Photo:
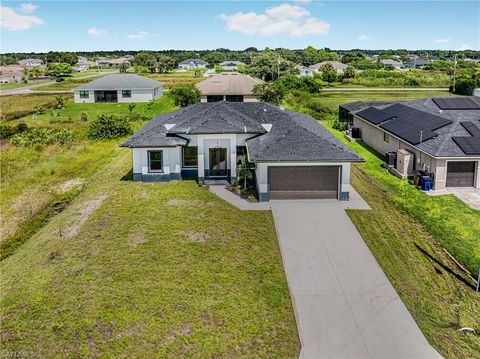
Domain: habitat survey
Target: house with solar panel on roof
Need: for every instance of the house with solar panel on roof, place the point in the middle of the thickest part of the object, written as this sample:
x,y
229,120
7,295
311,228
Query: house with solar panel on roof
x,y
436,139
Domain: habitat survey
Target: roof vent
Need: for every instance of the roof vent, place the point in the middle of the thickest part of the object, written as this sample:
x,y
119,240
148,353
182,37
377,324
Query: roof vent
x,y
264,110
281,108
169,126
267,126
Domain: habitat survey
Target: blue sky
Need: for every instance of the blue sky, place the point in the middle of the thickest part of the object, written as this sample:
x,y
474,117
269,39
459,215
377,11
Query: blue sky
x,y
158,25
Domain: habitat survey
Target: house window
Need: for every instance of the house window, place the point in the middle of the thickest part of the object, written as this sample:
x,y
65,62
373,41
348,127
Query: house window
x,y
126,93
214,98
241,152
386,137
190,156
155,159
84,94
234,98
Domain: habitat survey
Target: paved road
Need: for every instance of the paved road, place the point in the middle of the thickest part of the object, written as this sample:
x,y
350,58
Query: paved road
x,y
27,89
340,89
344,304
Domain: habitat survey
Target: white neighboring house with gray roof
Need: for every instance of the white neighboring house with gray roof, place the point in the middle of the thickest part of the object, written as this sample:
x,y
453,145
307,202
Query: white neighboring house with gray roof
x,y
436,137
230,65
119,88
192,64
337,66
294,156
397,65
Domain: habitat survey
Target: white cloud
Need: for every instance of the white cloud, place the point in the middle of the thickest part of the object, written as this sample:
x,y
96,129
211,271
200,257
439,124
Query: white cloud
x,y
93,31
464,47
139,35
364,38
282,19
28,8
13,21
444,40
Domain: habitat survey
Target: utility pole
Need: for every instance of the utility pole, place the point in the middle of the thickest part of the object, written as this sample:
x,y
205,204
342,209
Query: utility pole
x,y
454,72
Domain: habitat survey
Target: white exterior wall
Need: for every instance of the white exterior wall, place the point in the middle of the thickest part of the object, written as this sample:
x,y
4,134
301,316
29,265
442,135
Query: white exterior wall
x,y
90,99
262,173
172,160
137,95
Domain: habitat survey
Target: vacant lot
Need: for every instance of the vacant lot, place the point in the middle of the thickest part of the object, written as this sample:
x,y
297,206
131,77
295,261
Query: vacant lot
x,y
68,84
159,270
176,78
34,179
17,106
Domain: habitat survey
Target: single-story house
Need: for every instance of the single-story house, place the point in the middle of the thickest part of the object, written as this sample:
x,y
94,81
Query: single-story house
x,y
294,157
440,137
304,71
31,62
119,88
417,64
10,74
228,86
337,66
111,62
192,64
82,60
230,65
389,62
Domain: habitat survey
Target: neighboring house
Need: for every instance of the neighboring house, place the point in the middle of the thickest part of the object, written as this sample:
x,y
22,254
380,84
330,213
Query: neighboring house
x,y
10,74
82,60
119,88
230,65
337,66
305,71
417,64
472,61
412,57
441,137
111,62
389,62
80,68
294,156
228,86
30,62
192,64
346,111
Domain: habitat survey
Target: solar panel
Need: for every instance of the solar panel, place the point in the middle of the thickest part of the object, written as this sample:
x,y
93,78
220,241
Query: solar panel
x,y
471,128
456,103
469,145
374,115
408,131
421,118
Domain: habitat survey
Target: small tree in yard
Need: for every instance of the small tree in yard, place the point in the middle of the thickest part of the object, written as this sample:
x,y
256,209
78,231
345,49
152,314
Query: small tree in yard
x,y
123,67
349,73
328,73
465,86
185,95
59,102
244,172
106,127
269,92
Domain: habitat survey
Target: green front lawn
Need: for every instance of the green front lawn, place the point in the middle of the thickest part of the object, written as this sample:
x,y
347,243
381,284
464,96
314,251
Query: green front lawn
x,y
159,270
439,296
15,85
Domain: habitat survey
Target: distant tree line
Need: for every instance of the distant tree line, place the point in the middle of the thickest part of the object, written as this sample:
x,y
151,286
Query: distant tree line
x,y
307,56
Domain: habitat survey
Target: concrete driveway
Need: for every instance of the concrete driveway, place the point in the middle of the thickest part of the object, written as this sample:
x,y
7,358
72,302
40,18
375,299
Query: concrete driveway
x,y
344,304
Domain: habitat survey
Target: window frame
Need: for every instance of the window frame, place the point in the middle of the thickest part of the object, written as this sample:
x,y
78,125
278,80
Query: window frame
x,y
386,137
235,98
129,93
84,93
150,161
183,157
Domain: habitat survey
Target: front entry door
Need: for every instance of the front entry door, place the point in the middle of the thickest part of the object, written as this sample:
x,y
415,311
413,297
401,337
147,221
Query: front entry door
x,y
218,161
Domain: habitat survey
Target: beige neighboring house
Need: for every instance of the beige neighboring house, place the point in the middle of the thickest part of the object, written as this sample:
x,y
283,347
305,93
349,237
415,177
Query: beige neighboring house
x,y
337,66
228,86
11,74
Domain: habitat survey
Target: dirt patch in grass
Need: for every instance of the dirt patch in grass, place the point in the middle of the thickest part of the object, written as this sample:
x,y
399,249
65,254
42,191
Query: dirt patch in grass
x,y
192,236
85,210
138,239
70,184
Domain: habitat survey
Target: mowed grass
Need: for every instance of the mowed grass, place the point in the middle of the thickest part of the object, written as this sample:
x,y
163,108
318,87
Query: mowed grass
x,y
34,178
333,99
15,85
177,78
439,296
68,84
159,270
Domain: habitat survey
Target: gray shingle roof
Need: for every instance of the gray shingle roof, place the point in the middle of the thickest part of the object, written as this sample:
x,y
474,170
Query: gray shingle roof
x,y
443,145
293,136
195,61
120,82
